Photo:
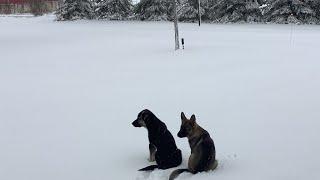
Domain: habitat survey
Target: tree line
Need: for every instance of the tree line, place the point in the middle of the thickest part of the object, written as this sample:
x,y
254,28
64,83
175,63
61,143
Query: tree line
x,y
211,11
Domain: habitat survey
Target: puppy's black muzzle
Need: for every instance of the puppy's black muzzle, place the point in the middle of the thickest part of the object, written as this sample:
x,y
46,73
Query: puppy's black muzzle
x,y
136,123
182,134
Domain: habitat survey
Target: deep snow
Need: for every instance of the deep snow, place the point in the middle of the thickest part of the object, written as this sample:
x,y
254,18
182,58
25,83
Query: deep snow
x,y
69,91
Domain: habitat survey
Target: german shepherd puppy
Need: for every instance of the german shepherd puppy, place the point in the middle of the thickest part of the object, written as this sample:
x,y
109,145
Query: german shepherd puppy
x,y
203,152
162,146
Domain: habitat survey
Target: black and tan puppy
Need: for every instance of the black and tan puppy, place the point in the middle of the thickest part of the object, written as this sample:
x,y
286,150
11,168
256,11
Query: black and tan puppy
x,y
162,146
203,152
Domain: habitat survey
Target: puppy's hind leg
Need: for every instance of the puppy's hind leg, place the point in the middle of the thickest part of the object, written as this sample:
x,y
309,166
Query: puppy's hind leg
x,y
153,151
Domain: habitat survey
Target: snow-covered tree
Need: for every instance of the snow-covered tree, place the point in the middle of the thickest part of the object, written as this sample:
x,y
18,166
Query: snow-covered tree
x,y
236,11
114,9
158,10
75,9
289,11
315,5
188,10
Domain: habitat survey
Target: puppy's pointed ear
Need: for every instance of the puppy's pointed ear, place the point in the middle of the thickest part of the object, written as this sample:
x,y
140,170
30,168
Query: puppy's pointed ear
x,y
193,119
183,117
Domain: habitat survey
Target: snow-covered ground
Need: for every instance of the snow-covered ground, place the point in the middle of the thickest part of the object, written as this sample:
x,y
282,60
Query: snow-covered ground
x,y
70,90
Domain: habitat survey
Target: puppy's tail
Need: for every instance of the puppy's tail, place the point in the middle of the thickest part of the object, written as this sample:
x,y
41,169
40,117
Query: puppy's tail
x,y
176,173
149,168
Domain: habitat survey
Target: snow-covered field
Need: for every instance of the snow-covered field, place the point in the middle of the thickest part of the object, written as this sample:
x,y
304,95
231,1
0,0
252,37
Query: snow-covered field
x,y
70,90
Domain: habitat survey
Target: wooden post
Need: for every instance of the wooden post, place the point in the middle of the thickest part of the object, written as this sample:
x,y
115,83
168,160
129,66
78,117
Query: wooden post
x,y
176,28
199,13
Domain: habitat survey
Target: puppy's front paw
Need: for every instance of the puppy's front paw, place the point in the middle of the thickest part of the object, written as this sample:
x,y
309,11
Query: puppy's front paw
x,y
152,159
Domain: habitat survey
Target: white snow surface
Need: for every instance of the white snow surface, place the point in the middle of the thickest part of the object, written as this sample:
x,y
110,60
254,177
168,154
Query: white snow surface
x,y
70,90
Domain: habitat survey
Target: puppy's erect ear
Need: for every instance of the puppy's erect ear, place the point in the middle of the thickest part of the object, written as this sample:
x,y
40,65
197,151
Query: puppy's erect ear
x,y
193,119
183,117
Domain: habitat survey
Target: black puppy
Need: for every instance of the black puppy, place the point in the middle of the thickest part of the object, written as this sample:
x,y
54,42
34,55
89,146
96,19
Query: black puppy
x,y
162,146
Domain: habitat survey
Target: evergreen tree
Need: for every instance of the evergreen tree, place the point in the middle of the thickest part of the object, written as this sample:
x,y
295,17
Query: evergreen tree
x,y
289,11
114,9
75,9
315,5
261,2
188,10
236,11
158,10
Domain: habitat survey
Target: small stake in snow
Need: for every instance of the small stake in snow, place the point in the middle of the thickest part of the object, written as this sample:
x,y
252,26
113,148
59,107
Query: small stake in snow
x,y
182,42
